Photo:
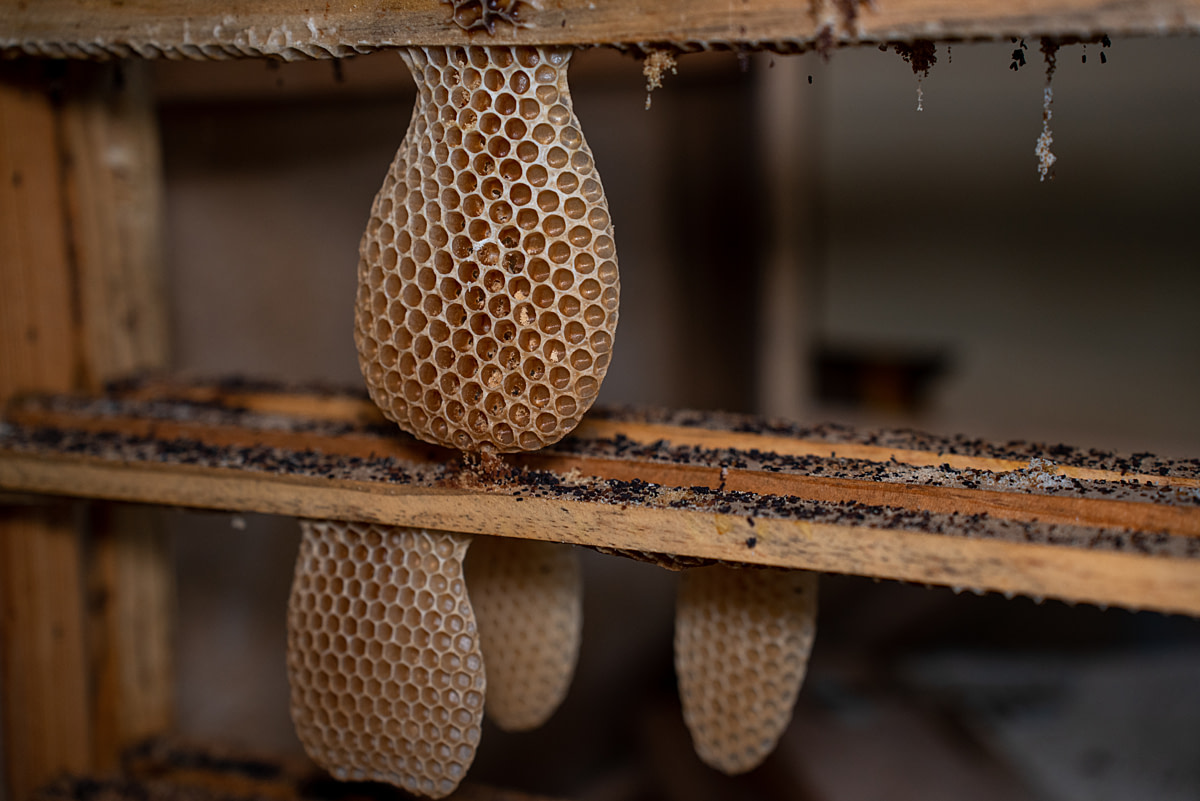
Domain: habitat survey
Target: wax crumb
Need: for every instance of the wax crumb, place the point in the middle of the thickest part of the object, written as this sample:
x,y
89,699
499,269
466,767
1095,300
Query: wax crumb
x,y
656,63
1045,157
1042,150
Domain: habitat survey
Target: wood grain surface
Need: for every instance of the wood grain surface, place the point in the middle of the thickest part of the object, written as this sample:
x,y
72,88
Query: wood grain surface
x,y
1122,541
84,594
290,29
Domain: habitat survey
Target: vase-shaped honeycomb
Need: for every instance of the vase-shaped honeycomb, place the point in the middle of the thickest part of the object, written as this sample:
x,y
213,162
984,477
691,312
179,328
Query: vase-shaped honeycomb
x,y
386,671
528,599
742,639
487,280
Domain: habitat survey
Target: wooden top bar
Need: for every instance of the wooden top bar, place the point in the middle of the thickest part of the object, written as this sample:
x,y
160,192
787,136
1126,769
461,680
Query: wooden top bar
x,y
675,487
301,29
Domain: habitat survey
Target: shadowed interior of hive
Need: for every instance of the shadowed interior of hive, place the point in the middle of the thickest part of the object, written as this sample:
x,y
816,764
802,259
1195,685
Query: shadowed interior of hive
x,y
1059,311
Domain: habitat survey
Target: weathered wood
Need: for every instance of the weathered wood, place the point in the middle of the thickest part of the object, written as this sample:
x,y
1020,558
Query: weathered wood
x,y
1075,574
37,335
78,305
1108,542
113,181
131,611
44,664
292,29
113,177
1053,509
42,647
788,135
357,410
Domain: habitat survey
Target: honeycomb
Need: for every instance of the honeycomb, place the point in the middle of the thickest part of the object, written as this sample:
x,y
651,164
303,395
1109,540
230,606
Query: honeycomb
x,y
383,656
528,598
742,639
487,278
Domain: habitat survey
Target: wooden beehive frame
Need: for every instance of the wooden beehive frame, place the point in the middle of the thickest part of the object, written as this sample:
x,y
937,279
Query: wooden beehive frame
x,y
294,29
79,239
1105,531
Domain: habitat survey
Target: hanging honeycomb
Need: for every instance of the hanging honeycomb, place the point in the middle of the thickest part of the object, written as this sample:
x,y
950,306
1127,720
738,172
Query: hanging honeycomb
x,y
487,279
528,598
742,639
386,671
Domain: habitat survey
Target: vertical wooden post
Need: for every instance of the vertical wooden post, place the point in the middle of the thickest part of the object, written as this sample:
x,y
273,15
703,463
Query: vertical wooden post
x,y
45,705
37,336
114,211
84,609
113,180
42,651
131,593
788,141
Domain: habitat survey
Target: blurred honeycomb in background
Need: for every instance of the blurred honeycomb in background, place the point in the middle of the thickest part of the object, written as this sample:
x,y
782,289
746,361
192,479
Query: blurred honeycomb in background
x,y
1062,311
528,599
742,639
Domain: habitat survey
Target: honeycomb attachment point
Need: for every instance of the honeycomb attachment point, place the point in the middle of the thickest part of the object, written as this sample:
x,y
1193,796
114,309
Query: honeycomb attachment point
x,y
742,639
487,276
387,676
529,601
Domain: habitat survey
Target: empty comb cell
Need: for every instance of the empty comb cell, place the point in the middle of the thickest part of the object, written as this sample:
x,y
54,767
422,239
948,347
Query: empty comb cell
x,y
528,598
742,639
387,677
487,278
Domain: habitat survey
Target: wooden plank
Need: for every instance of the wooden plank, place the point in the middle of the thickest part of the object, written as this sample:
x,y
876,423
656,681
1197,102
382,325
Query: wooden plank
x,y
131,592
1108,542
38,346
1100,512
113,203
79,304
736,432
789,137
42,651
292,29
42,624
1039,570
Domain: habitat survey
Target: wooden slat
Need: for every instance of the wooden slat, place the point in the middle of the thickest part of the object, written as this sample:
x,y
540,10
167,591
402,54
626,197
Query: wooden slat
x,y
358,410
42,652
43,664
113,204
1052,509
132,592
852,450
38,347
1028,541
293,29
114,201
1070,573
84,618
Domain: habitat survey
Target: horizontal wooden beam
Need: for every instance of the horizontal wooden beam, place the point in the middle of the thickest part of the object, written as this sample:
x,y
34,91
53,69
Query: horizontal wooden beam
x,y
1131,510
298,29
746,433
629,485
